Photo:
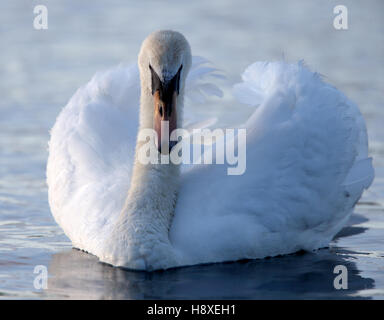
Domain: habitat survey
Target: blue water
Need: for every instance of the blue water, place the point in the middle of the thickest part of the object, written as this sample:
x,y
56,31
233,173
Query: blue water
x,y
40,70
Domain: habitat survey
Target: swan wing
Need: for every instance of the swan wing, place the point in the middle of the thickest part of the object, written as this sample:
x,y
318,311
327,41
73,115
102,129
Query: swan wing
x,y
306,167
91,152
198,88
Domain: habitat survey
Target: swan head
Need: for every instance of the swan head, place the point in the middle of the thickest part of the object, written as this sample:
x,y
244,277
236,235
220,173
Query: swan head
x,y
164,61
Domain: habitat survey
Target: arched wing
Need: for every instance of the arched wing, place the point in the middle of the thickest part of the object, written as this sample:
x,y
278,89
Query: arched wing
x,y
305,150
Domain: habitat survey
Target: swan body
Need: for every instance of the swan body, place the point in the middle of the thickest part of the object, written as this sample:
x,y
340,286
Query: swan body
x,y
307,166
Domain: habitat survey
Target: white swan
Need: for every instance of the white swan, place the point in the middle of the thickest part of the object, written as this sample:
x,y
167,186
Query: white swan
x,y
307,166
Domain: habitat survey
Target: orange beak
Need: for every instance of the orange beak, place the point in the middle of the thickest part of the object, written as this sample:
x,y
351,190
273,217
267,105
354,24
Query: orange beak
x,y
165,109
165,121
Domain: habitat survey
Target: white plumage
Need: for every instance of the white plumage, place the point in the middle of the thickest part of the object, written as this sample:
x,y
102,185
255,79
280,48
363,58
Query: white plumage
x,y
307,166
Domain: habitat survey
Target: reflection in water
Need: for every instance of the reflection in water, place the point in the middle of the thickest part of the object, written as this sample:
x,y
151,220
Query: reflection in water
x,y
78,275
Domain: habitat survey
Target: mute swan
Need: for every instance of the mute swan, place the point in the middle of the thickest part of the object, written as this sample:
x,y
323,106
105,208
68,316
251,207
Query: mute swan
x,y
307,165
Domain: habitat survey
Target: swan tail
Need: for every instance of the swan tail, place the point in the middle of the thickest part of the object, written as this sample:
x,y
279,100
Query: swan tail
x,y
359,178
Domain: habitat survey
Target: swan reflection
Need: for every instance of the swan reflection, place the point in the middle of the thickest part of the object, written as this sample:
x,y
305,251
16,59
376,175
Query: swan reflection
x,y
78,275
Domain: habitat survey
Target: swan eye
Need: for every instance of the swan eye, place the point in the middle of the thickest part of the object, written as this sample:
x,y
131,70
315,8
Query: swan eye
x,y
161,110
156,82
176,80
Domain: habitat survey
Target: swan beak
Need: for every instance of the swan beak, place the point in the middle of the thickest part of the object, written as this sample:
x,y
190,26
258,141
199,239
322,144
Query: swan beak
x,y
165,121
165,95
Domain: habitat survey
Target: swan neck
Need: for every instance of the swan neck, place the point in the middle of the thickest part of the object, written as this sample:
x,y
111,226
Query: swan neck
x,y
153,191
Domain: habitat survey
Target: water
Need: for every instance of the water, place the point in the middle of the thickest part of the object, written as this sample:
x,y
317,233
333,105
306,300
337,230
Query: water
x,y
40,70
